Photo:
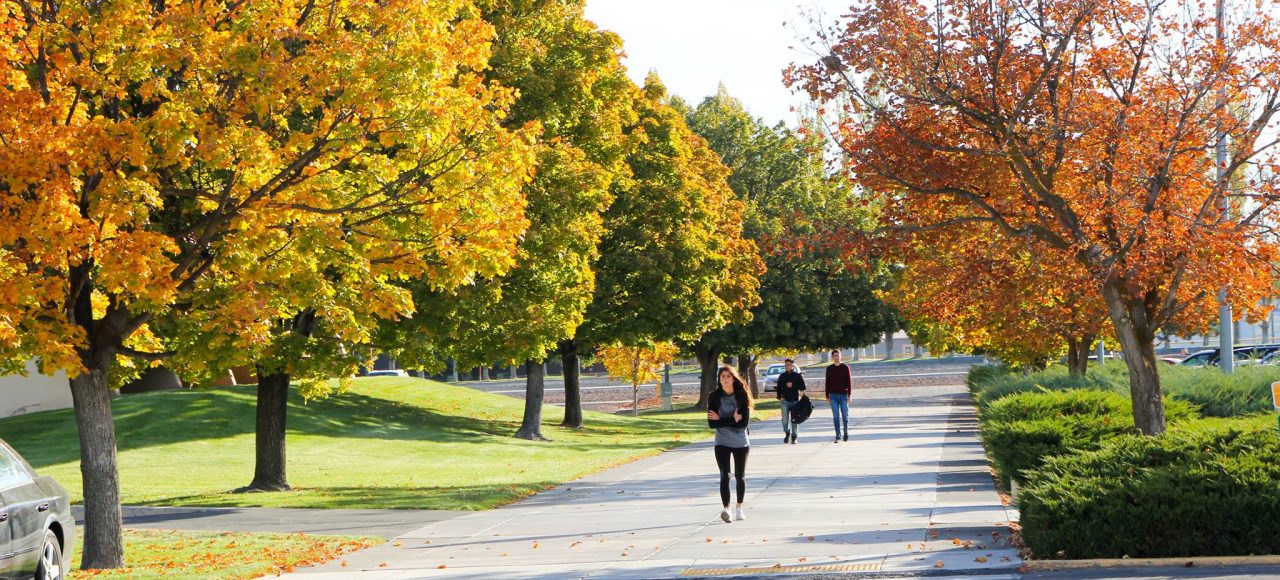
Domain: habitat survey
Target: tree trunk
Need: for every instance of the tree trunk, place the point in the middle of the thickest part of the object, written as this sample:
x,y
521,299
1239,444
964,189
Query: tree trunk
x,y
484,373
534,391
1078,355
1133,330
708,359
888,346
103,528
745,362
103,534
269,450
572,384
451,370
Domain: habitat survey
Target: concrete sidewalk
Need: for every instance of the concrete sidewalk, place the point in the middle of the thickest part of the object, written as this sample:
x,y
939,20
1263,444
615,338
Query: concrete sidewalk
x,y
909,493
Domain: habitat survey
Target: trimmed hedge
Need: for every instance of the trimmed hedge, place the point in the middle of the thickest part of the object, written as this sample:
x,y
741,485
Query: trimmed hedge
x,y
988,386
1207,489
1022,430
1244,392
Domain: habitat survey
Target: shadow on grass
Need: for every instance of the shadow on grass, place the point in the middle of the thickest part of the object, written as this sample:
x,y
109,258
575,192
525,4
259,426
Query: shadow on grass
x,y
465,497
169,417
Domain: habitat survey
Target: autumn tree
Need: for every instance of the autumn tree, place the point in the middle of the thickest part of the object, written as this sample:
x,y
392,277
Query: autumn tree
x,y
1102,114
636,364
158,158
673,261
1023,307
572,85
809,299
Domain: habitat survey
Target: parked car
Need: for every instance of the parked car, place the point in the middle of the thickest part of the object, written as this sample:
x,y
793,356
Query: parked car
x,y
388,373
1242,355
37,532
771,375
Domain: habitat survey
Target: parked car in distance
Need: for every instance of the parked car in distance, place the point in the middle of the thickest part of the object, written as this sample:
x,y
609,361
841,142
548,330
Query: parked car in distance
x,y
1242,355
37,532
771,375
388,373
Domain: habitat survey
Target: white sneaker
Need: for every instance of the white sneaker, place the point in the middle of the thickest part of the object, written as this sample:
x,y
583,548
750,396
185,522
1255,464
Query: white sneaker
x,y
724,515
738,515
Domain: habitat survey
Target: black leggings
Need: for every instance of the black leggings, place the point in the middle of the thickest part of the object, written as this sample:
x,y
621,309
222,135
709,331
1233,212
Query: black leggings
x,y
739,470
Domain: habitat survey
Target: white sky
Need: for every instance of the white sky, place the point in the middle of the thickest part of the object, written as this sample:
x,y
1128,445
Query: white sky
x,y
696,44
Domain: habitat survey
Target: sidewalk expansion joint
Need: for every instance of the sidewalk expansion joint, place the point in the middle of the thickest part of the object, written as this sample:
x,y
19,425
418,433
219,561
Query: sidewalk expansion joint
x,y
780,569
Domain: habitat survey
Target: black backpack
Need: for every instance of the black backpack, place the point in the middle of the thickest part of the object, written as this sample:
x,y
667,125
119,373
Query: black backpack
x,y
801,410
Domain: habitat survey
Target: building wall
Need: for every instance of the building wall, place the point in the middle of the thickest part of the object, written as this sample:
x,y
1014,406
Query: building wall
x,y
20,395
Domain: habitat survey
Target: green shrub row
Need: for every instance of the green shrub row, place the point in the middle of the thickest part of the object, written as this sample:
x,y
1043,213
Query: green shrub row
x,y
1247,391
1209,488
1023,429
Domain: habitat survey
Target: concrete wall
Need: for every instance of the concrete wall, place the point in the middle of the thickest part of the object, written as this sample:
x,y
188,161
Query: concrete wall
x,y
35,392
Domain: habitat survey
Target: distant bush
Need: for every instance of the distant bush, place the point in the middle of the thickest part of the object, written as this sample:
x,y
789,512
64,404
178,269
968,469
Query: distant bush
x,y
1208,488
990,388
1023,429
981,375
1244,392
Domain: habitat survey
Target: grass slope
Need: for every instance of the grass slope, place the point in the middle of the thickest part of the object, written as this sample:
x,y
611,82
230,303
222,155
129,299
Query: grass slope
x,y
387,443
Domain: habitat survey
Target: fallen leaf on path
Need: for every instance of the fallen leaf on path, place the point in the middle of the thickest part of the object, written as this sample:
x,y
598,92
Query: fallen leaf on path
x,y
811,538
441,567
980,560
382,565
397,544
939,564
535,545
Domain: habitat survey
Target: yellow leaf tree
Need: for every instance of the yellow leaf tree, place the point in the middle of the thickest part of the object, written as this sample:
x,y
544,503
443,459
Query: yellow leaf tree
x,y
637,364
171,159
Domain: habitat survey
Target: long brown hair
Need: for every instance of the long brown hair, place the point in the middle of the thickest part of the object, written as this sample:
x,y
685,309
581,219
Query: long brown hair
x,y
740,390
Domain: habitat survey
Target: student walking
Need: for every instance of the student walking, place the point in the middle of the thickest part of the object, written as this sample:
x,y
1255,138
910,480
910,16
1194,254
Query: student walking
x,y
729,412
790,387
839,387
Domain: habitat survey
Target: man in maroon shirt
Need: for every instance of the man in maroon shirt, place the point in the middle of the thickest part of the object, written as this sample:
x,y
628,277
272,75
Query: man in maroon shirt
x,y
839,387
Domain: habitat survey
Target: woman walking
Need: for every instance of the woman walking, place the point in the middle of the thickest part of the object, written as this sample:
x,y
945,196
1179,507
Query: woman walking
x,y
729,412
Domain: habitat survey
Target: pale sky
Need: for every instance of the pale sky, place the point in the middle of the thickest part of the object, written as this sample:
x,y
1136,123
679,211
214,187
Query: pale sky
x,y
696,44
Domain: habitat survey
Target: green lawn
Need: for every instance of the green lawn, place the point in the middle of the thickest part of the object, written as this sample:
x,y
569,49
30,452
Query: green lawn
x,y
387,443
220,555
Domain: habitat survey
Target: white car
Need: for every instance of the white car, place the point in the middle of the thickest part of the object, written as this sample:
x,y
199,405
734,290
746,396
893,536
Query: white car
x,y
771,375
387,373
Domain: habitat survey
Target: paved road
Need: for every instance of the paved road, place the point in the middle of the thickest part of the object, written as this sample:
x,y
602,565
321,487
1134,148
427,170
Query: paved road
x,y
602,393
909,492
377,523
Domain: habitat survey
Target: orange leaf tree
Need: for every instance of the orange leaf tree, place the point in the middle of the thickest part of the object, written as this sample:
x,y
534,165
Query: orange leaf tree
x,y
163,159
1084,128
964,293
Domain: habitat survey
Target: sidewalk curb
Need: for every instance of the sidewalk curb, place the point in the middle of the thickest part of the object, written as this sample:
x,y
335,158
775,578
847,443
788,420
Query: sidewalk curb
x,y
1192,562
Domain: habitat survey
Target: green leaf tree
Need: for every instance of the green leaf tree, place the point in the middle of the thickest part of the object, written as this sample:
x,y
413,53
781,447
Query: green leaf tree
x,y
810,300
572,86
673,262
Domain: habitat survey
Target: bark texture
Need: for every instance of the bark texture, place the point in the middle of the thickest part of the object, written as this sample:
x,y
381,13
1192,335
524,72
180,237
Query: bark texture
x,y
534,393
572,384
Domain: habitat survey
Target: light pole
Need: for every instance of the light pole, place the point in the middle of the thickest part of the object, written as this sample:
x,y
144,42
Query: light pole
x,y
1226,338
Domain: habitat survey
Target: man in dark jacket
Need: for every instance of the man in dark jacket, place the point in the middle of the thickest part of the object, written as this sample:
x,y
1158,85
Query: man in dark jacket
x,y
839,387
790,386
